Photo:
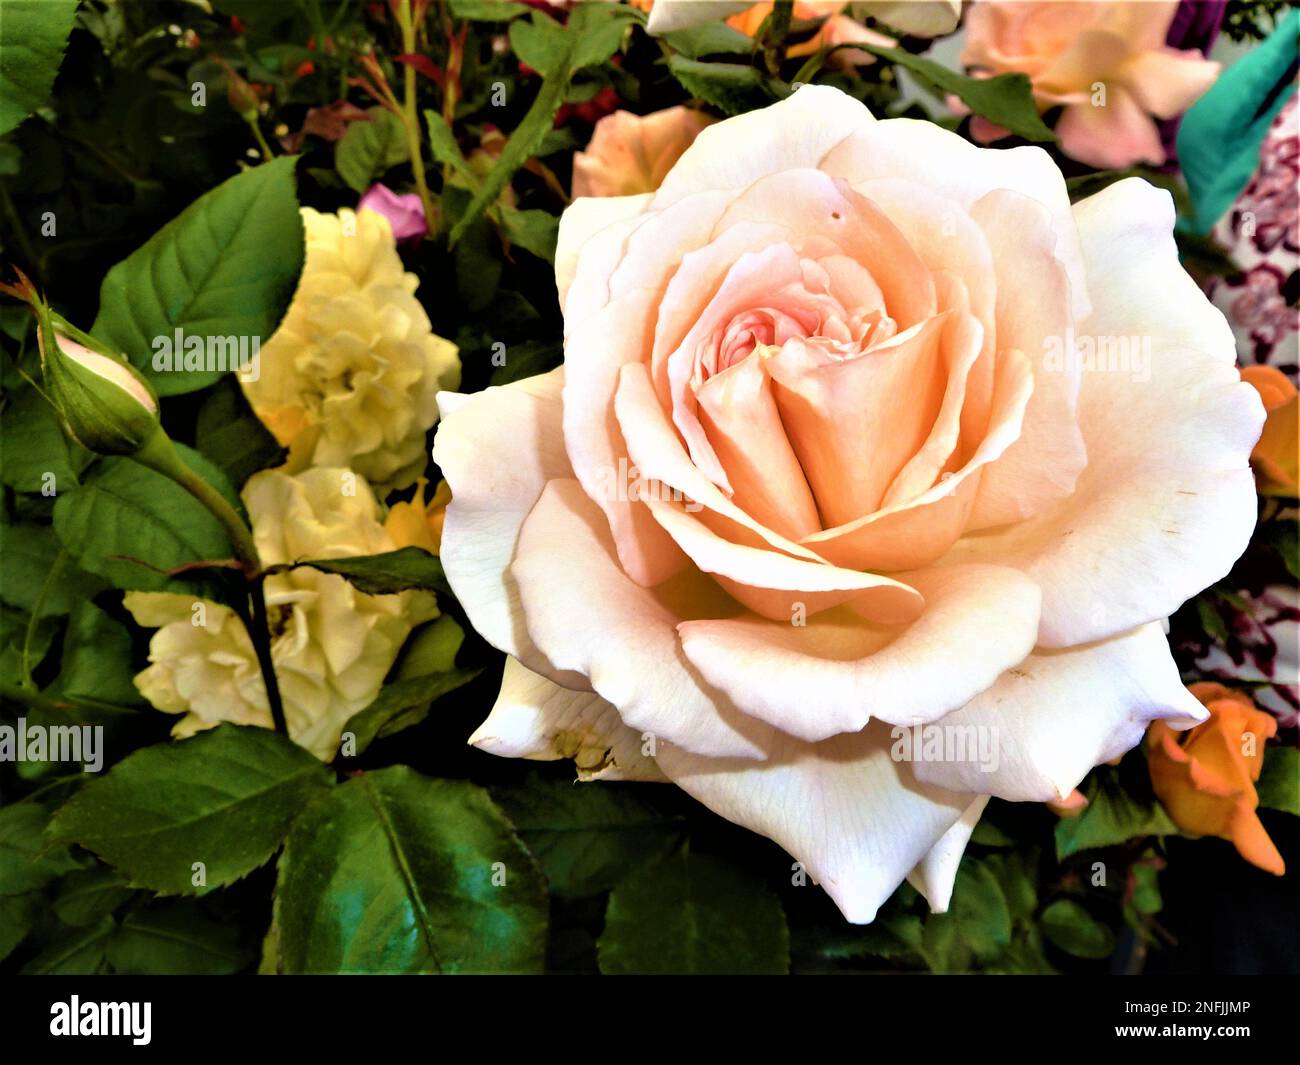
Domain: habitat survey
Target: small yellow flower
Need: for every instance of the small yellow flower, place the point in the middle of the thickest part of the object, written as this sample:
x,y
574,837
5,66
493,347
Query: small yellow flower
x,y
332,645
349,378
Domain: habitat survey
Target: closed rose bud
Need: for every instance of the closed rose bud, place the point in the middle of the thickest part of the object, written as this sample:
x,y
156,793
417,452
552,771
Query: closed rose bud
x,y
242,96
106,404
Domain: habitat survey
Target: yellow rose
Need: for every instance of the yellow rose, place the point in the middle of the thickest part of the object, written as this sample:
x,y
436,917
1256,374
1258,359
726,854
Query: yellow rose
x,y
349,378
332,646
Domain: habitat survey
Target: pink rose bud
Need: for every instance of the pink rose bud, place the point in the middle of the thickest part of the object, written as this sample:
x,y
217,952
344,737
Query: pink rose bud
x,y
404,213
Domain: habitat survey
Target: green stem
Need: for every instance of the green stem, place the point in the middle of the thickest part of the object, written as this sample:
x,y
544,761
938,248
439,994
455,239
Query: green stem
x,y
410,120
159,454
267,154
60,703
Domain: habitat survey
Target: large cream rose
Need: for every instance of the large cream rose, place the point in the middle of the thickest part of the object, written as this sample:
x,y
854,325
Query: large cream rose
x,y
846,439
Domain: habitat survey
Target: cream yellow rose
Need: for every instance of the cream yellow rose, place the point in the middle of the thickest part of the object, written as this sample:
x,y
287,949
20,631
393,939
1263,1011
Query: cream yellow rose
x,y
871,469
331,645
349,378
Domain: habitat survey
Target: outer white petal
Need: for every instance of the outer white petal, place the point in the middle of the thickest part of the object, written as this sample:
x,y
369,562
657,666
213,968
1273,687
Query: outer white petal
x,y
844,808
587,615
836,672
497,449
537,719
1034,735
1167,501
668,16
934,875
795,133
581,221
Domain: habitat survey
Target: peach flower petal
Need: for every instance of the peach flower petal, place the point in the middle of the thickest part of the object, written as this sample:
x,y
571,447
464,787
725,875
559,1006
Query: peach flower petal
x,y
1045,723
979,621
1166,503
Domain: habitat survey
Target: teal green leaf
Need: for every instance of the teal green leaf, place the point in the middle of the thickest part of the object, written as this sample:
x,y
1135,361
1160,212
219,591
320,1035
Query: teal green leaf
x,y
33,36
393,873
225,797
588,837
225,267
693,914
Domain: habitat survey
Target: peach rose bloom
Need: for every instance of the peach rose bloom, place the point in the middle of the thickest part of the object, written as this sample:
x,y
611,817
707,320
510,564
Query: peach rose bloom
x,y
920,18
629,154
1206,777
1275,456
836,30
1069,50
816,470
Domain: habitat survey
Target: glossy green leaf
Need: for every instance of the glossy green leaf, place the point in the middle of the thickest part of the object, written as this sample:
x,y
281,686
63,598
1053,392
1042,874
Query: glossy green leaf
x,y
225,267
588,837
33,36
394,873
1076,931
224,798
393,571
693,914
370,149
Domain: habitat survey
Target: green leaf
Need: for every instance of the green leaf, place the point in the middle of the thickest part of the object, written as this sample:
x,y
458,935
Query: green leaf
x,y
370,149
400,705
30,573
587,837
693,914
1112,816
987,834
591,35
1283,536
1015,875
35,453
97,658
535,231
1007,99
487,10
224,797
175,940
27,861
1076,931
232,436
943,946
78,952
891,935
33,36
394,873
442,143
432,648
1279,781
393,571
980,908
86,895
225,267
1146,884
709,38
733,87
17,915
124,511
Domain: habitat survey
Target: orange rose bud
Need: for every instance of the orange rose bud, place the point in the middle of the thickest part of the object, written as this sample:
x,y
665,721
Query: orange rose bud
x,y
1275,455
1206,777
